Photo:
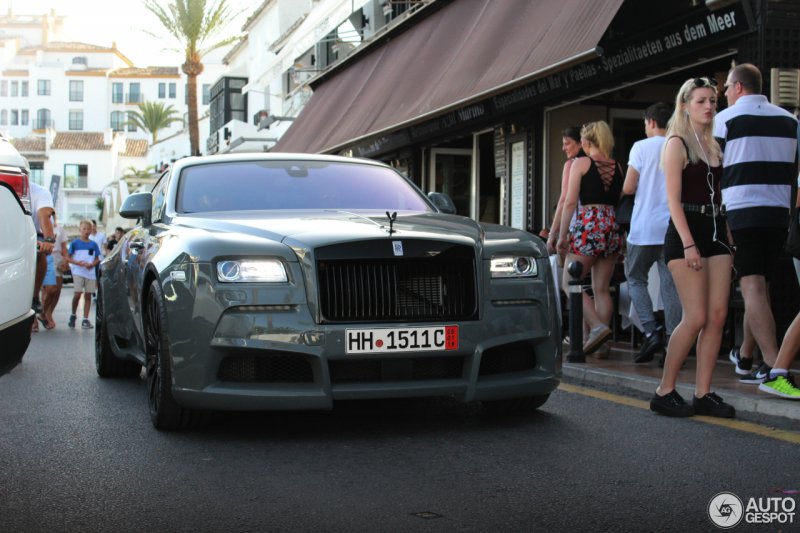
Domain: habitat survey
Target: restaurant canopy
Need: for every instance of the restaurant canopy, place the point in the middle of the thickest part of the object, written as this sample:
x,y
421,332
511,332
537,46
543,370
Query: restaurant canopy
x,y
464,52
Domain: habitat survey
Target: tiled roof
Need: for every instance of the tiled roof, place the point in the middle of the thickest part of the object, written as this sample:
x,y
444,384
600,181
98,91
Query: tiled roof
x,y
252,18
75,47
135,72
79,141
135,148
29,144
63,46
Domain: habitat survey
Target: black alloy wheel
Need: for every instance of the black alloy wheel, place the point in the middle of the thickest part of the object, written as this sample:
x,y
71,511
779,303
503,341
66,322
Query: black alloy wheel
x,y
165,413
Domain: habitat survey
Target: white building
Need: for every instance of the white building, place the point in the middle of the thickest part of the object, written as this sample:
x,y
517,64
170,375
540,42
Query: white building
x,y
82,164
66,107
287,43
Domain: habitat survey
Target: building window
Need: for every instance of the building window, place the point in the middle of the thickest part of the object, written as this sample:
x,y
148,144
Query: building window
x,y
206,93
80,60
76,119
135,93
131,123
24,89
172,90
76,90
117,120
116,93
227,102
14,88
162,90
24,118
43,119
14,117
3,88
37,172
4,117
76,176
43,87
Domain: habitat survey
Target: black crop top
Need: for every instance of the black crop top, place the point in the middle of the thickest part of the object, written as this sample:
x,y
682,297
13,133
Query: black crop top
x,y
594,190
695,182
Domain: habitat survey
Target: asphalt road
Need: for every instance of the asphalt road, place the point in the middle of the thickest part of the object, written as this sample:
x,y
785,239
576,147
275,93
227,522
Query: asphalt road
x,y
78,453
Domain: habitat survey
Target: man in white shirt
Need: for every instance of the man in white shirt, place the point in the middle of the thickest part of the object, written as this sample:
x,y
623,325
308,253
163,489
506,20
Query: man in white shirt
x,y
649,223
41,211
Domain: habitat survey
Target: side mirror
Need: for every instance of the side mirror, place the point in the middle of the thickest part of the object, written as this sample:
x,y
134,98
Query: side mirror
x,y
138,205
442,202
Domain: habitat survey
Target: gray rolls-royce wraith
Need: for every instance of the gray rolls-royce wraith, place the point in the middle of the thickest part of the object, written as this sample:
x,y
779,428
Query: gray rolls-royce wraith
x,y
285,281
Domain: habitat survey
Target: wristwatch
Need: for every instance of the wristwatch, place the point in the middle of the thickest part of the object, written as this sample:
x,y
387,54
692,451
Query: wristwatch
x,y
49,239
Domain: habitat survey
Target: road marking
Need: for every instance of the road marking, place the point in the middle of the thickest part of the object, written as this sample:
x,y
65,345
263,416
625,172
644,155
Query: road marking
x,y
792,437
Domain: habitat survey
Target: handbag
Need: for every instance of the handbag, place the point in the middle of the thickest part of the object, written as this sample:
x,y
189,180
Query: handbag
x,y
624,210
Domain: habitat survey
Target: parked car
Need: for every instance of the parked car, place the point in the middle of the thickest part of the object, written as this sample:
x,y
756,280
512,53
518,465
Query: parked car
x,y
17,257
279,281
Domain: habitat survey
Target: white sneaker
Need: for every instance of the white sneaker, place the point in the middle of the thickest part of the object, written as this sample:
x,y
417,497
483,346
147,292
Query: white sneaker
x,y
597,336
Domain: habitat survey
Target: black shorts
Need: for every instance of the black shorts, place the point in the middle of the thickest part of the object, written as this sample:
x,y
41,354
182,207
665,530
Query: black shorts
x,y
757,250
702,228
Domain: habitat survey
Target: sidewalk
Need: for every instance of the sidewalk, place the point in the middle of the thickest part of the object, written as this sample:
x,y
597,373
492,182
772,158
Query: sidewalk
x,y
621,374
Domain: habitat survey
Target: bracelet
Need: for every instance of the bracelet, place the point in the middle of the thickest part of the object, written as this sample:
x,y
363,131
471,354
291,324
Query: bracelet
x,y
690,246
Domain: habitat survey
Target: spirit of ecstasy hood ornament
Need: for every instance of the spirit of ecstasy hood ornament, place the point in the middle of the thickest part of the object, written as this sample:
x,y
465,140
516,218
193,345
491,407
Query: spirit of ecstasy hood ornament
x,y
392,217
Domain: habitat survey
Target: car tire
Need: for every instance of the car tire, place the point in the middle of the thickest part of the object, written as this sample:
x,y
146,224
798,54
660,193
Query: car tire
x,y
165,413
105,362
516,405
15,341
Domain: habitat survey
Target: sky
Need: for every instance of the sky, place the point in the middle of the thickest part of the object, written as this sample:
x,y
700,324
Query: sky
x,y
102,22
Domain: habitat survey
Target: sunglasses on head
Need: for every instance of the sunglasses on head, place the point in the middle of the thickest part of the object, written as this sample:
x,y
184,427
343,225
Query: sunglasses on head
x,y
705,82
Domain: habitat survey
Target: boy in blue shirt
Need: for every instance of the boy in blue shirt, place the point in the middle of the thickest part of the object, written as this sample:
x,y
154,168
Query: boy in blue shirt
x,y
83,255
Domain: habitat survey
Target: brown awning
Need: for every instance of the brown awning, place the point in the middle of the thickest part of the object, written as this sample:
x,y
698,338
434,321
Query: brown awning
x,y
464,52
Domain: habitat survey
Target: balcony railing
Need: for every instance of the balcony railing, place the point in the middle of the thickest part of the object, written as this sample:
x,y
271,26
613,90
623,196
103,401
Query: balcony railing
x,y
134,98
41,124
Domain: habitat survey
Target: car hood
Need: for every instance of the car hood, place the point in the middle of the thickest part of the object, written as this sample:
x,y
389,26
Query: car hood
x,y
311,229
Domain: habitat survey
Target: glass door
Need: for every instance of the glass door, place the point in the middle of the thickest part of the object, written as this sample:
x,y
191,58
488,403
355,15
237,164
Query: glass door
x,y
451,173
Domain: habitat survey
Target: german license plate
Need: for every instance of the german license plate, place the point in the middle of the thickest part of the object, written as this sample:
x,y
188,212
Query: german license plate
x,y
392,340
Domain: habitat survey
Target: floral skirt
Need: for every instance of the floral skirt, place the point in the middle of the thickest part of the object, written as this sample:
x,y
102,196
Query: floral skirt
x,y
595,232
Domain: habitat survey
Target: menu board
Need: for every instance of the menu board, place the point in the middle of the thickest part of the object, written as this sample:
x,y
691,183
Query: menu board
x,y
518,185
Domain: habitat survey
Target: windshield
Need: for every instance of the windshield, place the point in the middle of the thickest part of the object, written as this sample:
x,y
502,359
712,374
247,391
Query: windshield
x,y
269,185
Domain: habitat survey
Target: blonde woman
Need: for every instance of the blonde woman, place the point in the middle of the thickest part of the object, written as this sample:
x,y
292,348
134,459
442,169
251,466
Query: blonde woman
x,y
593,238
696,249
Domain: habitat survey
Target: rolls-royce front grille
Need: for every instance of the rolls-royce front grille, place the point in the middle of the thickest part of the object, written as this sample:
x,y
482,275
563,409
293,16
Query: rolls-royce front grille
x,y
387,290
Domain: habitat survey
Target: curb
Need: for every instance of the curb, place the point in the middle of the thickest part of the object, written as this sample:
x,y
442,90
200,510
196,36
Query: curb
x,y
745,404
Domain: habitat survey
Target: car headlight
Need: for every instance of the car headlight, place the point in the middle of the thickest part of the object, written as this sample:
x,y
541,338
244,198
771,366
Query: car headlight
x,y
514,267
251,271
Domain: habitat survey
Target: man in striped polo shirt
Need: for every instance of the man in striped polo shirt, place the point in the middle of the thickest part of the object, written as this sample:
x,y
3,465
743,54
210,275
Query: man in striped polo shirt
x,y
759,143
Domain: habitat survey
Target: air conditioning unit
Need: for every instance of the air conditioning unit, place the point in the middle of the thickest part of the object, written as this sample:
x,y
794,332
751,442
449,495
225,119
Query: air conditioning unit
x,y
785,87
260,116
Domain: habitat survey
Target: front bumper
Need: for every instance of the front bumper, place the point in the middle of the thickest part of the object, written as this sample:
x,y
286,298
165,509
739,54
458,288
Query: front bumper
x,y
267,354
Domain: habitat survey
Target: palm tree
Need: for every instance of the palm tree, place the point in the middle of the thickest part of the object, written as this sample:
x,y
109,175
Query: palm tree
x,y
195,27
152,117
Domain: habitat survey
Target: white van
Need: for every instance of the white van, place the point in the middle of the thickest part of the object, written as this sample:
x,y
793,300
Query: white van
x,y
17,257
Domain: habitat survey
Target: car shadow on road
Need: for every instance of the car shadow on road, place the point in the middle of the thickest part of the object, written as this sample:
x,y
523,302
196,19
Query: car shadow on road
x,y
377,418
